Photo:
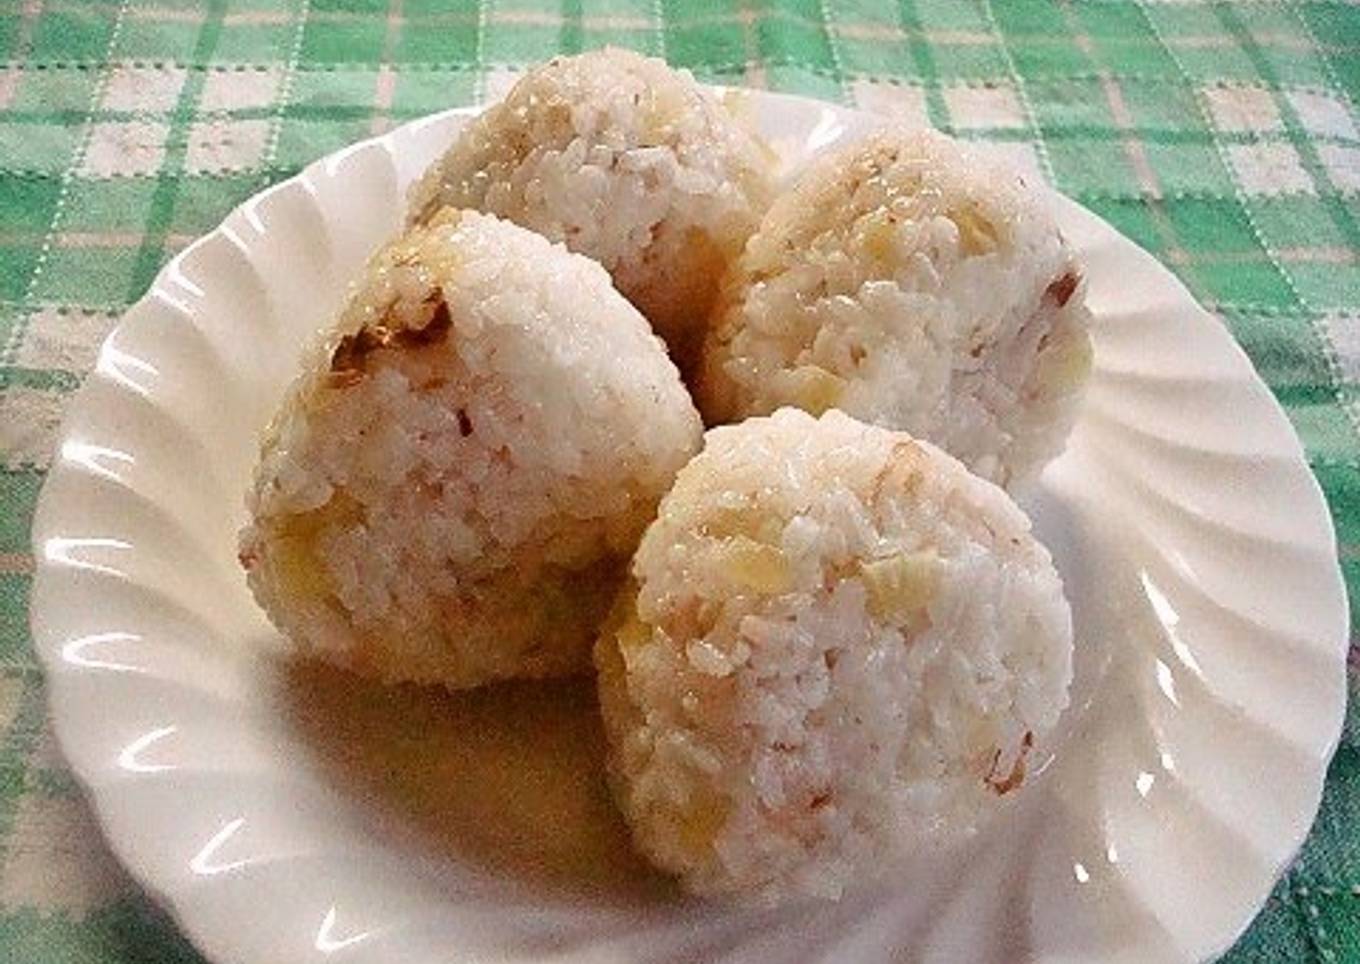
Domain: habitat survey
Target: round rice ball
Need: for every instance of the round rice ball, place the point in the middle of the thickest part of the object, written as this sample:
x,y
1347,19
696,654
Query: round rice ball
x,y
910,284
462,470
839,647
627,161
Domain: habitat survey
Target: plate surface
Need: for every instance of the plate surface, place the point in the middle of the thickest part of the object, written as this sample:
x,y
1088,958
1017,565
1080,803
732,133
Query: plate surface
x,y
291,814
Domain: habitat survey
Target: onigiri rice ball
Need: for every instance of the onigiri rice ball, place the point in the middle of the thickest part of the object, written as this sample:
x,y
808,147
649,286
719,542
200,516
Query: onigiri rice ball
x,y
456,481
623,159
911,284
838,647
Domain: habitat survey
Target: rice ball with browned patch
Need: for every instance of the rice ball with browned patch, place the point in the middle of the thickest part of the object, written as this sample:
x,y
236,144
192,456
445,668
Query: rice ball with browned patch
x,y
912,284
454,484
839,646
623,159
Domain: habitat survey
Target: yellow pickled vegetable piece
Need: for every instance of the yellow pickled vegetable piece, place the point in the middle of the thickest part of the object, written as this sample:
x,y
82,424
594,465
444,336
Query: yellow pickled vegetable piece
x,y
815,390
1068,365
901,586
878,238
298,558
977,235
754,565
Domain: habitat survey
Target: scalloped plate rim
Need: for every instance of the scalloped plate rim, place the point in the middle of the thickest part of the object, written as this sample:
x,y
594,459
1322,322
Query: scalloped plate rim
x,y
65,717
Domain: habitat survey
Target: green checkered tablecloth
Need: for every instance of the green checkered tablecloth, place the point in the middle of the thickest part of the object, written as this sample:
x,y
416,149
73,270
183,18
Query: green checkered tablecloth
x,y
1221,136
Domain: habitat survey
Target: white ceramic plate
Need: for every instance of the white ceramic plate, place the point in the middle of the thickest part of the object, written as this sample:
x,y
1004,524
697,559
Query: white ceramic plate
x,y
293,814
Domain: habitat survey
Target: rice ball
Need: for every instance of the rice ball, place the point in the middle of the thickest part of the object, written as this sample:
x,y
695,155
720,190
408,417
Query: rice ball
x,y
910,284
623,159
459,475
839,646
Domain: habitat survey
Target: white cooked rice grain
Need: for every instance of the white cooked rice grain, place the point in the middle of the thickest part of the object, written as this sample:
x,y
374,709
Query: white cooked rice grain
x,y
839,646
910,284
623,159
463,468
